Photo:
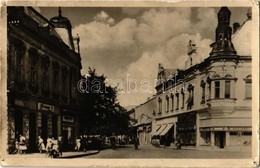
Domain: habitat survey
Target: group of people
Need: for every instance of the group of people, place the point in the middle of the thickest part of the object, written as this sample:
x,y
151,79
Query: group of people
x,y
52,147
83,142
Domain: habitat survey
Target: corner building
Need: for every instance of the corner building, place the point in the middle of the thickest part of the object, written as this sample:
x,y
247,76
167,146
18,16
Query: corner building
x,y
209,103
43,69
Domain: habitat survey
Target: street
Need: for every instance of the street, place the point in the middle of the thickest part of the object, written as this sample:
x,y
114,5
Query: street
x,y
152,152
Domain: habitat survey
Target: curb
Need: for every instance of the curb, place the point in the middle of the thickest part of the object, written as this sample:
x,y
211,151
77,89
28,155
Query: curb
x,y
78,155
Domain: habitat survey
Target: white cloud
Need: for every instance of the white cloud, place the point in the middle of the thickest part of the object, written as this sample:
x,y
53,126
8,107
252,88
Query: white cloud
x,y
135,47
103,17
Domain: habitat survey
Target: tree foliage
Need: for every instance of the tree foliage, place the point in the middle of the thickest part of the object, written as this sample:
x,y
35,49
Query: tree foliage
x,y
100,111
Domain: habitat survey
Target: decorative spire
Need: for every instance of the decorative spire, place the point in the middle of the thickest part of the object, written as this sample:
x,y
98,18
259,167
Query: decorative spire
x,y
223,44
60,12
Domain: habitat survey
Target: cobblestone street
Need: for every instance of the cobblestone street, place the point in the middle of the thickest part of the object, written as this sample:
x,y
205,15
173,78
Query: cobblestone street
x,y
152,152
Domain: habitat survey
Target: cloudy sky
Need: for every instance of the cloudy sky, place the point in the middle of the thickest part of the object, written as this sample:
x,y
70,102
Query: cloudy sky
x,y
126,44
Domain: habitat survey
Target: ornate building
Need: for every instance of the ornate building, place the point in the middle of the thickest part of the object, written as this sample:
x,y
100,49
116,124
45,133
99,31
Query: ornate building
x,y
209,103
43,69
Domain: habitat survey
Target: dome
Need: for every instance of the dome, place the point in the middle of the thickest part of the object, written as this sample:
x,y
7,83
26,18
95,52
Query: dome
x,y
60,21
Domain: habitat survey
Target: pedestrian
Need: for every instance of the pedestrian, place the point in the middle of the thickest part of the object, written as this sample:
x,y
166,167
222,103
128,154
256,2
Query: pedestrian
x,y
113,141
16,146
41,145
22,145
78,144
136,142
48,146
84,143
60,144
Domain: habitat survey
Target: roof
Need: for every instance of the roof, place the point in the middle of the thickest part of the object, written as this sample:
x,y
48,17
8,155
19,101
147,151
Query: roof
x,y
242,39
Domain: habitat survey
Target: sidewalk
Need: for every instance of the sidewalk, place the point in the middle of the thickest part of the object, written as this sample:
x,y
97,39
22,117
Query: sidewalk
x,y
66,155
206,148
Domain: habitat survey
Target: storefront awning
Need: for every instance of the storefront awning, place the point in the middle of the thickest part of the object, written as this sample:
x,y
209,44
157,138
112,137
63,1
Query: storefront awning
x,y
159,130
166,129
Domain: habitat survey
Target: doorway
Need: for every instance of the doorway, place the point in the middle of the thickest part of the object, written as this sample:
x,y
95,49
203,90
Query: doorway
x,y
32,132
18,117
220,139
44,127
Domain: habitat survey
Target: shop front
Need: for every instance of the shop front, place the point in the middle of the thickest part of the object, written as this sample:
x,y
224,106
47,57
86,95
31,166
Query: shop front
x,y
164,130
225,137
186,128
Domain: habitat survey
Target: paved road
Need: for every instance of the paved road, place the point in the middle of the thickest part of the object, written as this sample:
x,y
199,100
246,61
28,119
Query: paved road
x,y
152,152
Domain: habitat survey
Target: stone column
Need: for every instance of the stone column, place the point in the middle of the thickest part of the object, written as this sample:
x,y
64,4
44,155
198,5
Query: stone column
x,y
212,139
197,130
174,130
227,139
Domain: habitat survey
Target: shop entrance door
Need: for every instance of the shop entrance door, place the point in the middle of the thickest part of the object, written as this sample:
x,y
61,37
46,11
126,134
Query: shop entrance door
x,y
220,139
32,132
18,124
44,127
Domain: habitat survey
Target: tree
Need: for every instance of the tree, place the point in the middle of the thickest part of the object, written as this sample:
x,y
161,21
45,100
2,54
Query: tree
x,y
100,111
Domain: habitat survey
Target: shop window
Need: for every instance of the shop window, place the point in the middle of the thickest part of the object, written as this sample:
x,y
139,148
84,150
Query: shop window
x,y
217,89
247,133
227,89
248,87
233,133
167,103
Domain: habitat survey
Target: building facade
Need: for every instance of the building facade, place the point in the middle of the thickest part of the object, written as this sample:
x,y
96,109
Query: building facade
x,y
143,116
208,103
43,70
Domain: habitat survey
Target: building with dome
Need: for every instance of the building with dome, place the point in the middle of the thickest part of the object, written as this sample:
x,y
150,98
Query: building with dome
x,y
208,103
44,66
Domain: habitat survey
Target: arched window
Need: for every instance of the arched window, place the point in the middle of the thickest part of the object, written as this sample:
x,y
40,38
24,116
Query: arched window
x,y
248,87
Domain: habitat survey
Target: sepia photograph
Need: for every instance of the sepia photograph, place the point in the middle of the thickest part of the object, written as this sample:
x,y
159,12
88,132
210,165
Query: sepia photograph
x,y
140,82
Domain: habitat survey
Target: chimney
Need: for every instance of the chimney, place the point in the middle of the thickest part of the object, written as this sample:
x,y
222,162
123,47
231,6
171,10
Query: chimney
x,y
249,14
236,26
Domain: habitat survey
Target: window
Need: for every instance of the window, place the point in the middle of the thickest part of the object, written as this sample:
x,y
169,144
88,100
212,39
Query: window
x,y
56,78
209,87
227,89
177,103
217,89
190,98
64,82
183,98
203,85
160,105
248,87
45,80
167,103
172,97
33,66
19,66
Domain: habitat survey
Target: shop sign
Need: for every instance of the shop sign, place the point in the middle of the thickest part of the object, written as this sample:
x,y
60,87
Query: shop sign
x,y
45,107
67,118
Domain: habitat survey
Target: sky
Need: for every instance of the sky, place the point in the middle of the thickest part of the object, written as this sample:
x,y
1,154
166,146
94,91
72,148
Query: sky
x,y
127,44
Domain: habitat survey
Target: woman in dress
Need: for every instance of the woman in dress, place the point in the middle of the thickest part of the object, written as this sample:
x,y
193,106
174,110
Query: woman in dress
x,y
22,145
41,145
